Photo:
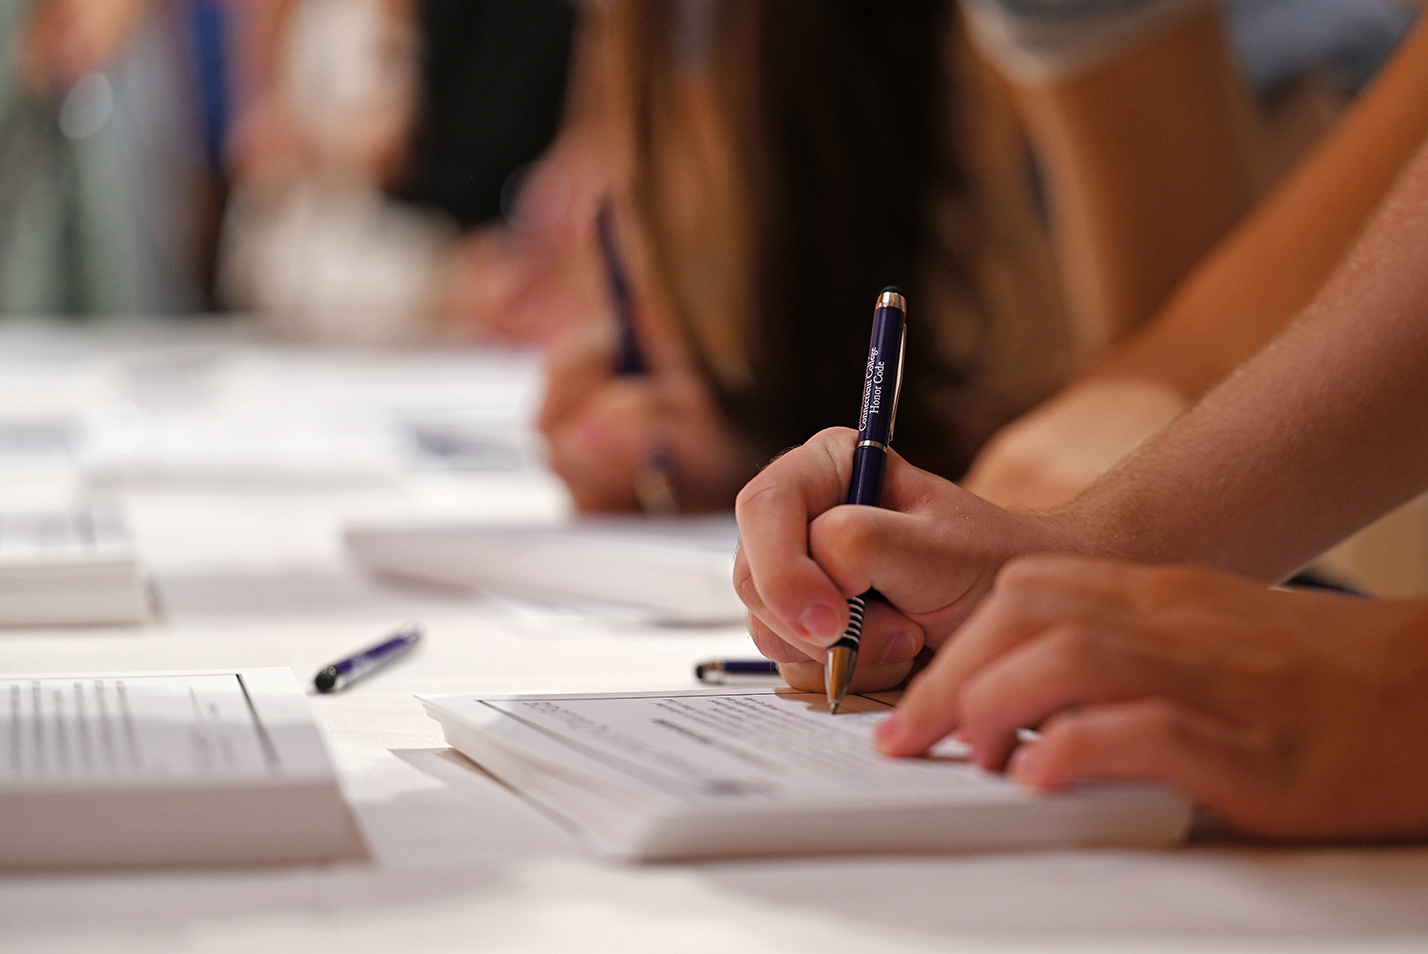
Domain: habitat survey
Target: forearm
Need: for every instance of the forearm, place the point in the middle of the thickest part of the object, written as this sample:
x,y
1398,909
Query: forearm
x,y
1322,431
1271,266
1151,156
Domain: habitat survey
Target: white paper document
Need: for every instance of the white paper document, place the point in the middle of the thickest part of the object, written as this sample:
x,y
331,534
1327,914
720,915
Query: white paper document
x,y
69,566
765,771
676,570
180,767
284,416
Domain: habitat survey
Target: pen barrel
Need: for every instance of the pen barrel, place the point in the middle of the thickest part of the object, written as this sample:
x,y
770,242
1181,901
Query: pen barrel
x,y
852,637
349,670
882,378
866,486
371,658
882,384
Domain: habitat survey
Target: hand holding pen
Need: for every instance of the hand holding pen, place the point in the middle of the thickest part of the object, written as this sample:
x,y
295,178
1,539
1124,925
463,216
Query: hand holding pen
x,y
930,550
779,545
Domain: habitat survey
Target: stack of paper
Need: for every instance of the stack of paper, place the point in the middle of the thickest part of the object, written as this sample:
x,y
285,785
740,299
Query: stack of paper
x,y
70,566
721,772
165,768
678,570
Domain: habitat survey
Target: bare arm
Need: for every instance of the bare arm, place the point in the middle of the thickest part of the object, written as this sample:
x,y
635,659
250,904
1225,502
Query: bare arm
x,y
1265,272
1150,158
1227,309
1323,431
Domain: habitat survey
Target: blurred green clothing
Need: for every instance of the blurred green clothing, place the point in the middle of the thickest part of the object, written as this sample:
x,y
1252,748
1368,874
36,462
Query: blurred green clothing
x,y
99,188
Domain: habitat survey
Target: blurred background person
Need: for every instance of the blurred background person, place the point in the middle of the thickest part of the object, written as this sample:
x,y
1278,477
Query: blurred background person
x,y
1226,309
1306,61
414,124
780,174
106,190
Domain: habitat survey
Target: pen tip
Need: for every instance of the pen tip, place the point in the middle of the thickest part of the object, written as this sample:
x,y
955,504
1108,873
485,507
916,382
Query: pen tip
x,y
894,289
834,709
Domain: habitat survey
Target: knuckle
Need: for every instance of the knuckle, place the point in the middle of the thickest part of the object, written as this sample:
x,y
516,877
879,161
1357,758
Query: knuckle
x,y
844,529
1073,648
772,647
744,585
804,675
977,700
1163,721
1017,574
754,493
1160,586
1073,737
1037,572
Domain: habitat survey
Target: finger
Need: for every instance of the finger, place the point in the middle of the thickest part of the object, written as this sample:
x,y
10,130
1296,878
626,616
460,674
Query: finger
x,y
774,646
809,676
935,550
805,676
576,366
1150,739
908,558
599,450
796,598
1030,595
1071,665
889,647
889,639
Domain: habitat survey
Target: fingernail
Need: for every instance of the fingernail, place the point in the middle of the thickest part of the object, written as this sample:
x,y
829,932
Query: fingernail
x,y
1017,767
887,733
899,648
820,623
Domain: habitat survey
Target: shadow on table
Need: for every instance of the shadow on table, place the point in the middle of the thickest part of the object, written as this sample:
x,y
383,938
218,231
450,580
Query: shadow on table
x,y
299,591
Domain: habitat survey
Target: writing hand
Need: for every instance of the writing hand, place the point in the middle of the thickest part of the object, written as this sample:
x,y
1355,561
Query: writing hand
x,y
602,429
932,550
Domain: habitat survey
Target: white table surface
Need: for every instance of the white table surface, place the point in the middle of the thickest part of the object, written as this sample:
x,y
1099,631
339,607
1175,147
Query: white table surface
x,y
256,576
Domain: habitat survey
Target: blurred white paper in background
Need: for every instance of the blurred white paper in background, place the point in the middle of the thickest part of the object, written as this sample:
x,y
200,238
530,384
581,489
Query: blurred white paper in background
x,y
214,413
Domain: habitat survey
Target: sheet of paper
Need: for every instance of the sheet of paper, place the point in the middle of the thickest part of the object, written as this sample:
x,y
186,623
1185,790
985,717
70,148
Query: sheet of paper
x,y
674,571
101,730
757,744
79,534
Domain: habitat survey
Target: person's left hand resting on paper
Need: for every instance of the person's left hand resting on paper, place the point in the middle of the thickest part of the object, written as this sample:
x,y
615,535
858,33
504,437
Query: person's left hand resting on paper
x,y
932,550
1291,714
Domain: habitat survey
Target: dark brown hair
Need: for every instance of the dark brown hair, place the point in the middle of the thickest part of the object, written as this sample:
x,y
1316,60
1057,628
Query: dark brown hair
x,y
833,117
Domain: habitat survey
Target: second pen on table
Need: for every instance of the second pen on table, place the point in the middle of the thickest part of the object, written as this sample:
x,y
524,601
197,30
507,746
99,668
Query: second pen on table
x,y
344,672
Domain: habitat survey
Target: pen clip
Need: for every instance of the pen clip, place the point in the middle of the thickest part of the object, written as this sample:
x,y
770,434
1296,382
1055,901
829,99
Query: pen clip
x,y
897,385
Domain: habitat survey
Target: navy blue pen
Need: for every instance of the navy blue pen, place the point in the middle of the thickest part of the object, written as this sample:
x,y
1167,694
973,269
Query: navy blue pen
x,y
343,673
630,360
882,383
654,484
719,671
